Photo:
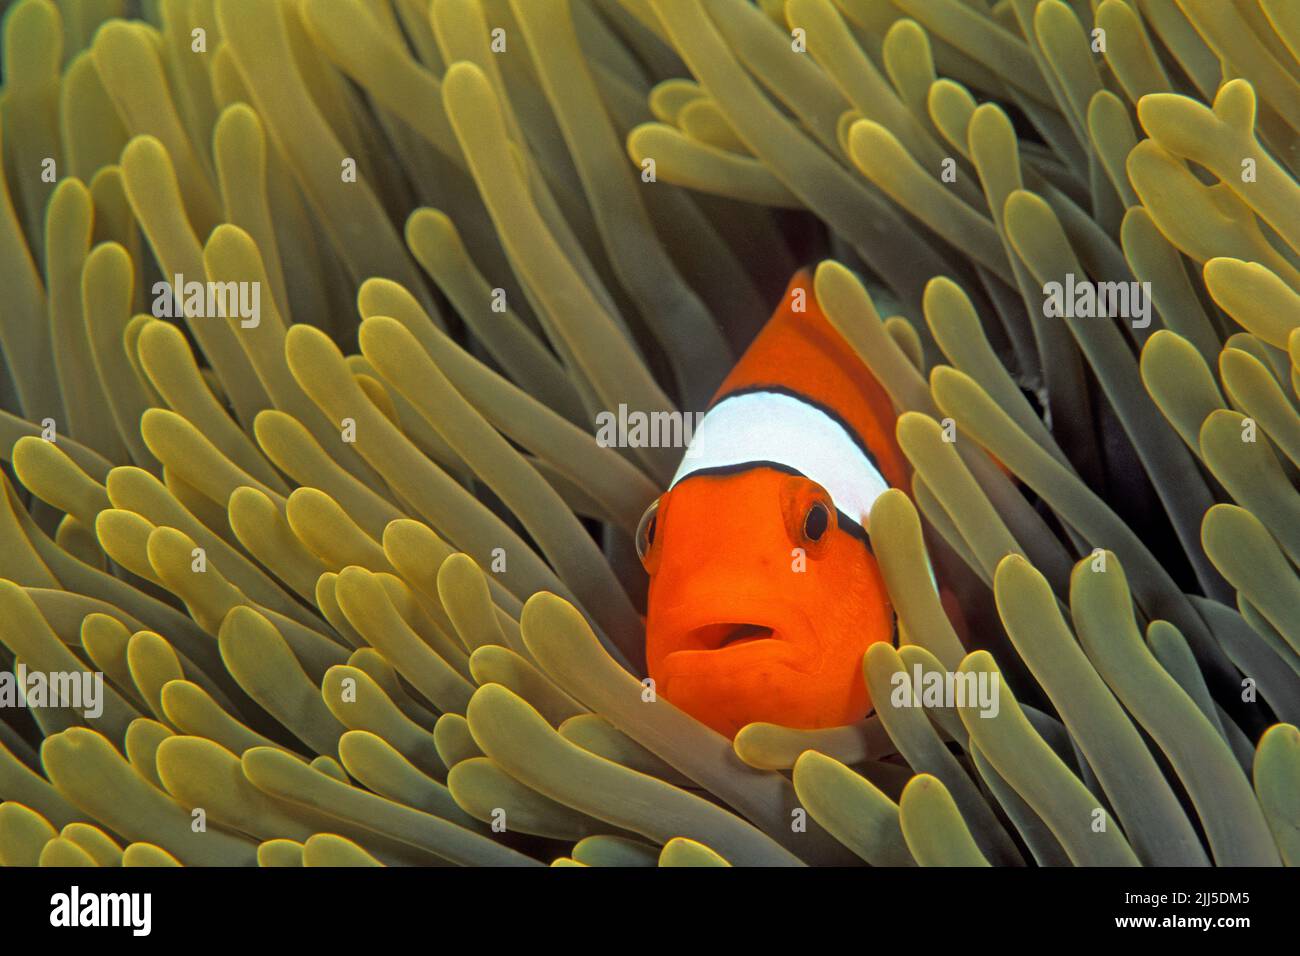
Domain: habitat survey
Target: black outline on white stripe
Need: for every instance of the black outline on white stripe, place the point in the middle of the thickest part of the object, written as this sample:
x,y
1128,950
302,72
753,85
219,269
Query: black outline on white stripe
x,y
850,525
826,410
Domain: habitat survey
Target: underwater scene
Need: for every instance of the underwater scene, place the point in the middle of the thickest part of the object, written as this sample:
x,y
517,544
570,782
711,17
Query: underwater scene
x,y
649,433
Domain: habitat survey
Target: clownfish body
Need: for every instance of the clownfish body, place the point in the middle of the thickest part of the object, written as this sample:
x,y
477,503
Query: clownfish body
x,y
764,591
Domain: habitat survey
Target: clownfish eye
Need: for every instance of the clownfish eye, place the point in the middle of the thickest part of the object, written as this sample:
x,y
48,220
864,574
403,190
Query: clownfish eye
x,y
645,532
816,521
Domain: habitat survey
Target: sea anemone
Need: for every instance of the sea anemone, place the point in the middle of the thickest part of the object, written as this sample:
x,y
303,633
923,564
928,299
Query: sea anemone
x,y
359,577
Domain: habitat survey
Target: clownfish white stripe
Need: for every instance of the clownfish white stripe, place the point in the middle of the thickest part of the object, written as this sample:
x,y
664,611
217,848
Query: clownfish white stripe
x,y
757,428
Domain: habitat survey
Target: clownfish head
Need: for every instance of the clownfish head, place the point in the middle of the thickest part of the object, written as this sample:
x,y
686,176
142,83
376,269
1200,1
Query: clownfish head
x,y
763,599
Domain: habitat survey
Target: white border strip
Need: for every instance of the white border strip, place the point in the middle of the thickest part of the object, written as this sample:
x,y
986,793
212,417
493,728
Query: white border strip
x,y
769,426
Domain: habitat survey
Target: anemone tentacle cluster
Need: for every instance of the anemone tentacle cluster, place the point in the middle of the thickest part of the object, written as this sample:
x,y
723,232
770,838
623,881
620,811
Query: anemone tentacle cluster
x,y
358,577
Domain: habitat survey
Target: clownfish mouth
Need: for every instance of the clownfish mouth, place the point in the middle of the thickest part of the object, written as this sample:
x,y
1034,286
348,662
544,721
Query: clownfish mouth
x,y
714,637
766,630
743,642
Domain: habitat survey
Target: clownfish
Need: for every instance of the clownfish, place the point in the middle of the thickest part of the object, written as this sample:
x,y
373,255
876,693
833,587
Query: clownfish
x,y
764,589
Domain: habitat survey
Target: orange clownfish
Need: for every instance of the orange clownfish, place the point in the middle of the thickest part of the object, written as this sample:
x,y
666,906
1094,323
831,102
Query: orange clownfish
x,y
764,591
